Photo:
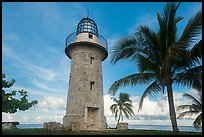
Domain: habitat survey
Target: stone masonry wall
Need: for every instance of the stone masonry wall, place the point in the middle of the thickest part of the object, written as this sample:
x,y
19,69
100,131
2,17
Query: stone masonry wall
x,y
85,87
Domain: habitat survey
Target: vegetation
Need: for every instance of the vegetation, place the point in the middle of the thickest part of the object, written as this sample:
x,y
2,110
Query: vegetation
x,y
10,104
195,108
163,58
122,106
39,131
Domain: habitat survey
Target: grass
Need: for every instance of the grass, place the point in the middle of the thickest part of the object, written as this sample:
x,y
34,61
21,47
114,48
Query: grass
x,y
40,131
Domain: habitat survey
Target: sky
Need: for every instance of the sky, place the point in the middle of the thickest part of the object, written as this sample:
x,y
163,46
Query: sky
x,y
33,44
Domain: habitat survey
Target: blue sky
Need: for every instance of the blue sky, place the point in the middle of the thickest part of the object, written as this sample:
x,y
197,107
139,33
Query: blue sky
x,y
33,43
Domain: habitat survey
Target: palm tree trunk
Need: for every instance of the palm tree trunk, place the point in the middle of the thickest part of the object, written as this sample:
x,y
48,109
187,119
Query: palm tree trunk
x,y
120,114
172,109
118,120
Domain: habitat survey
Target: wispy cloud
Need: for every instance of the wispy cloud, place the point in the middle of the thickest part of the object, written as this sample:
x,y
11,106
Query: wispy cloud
x,y
149,19
44,86
43,73
33,69
46,14
35,91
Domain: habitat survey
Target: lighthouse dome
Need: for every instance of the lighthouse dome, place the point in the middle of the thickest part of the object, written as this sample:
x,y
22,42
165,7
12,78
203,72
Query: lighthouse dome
x,y
87,25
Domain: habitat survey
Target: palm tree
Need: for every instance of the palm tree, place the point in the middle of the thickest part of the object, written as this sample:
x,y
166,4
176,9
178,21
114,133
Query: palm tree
x,y
122,106
195,108
162,58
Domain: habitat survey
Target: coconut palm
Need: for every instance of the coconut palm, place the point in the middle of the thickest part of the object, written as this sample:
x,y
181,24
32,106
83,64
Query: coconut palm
x,y
162,57
122,106
195,108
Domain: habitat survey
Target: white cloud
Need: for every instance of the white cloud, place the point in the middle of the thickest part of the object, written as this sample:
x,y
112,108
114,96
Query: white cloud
x,y
34,117
154,112
52,103
107,103
48,109
52,108
7,117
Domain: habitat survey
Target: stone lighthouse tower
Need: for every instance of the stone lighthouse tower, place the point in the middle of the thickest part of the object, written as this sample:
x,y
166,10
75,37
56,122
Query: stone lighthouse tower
x,y
85,105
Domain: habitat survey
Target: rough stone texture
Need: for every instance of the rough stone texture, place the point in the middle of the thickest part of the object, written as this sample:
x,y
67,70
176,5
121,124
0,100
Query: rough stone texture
x,y
85,105
52,126
122,126
8,125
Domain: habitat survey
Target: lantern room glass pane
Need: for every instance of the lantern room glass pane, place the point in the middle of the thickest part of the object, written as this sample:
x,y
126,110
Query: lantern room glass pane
x,y
87,25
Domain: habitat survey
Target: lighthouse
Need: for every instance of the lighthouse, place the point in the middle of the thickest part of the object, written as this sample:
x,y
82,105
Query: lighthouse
x,y
85,105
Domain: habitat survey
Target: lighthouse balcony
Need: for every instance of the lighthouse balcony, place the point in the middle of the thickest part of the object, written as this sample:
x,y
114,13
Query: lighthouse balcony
x,y
86,37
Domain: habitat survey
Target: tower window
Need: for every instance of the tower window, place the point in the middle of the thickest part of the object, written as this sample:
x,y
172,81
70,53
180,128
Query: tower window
x,y
90,36
91,60
91,85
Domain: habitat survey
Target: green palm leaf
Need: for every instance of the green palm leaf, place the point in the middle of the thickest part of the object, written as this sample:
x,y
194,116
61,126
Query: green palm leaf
x,y
198,121
191,78
187,113
192,29
194,108
152,88
124,49
133,79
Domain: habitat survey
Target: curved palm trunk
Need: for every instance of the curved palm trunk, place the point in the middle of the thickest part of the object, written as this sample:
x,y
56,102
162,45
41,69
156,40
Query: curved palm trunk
x,y
172,109
119,118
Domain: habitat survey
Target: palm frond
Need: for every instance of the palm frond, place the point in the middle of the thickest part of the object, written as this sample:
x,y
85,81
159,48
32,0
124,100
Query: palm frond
x,y
192,29
198,121
182,107
170,20
162,36
115,100
190,60
193,99
123,98
125,48
146,65
196,52
195,108
187,113
173,57
133,79
190,78
116,114
129,109
150,43
167,23
149,36
114,108
124,110
152,88
178,19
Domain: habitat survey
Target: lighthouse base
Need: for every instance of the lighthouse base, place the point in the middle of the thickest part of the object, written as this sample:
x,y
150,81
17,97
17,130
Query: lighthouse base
x,y
77,122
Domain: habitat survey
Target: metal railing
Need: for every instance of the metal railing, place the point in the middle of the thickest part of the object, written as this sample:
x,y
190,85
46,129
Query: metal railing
x,y
101,40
